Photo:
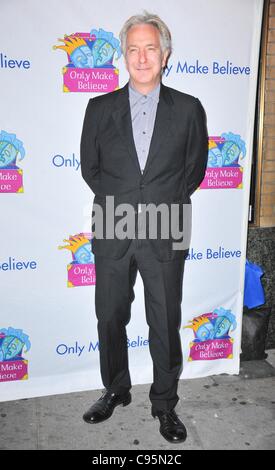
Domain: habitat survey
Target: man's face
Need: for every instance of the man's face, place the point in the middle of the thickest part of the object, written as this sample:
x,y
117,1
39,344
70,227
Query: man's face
x,y
144,58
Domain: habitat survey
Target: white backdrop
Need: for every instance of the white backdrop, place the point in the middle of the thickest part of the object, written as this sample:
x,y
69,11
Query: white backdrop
x,y
48,332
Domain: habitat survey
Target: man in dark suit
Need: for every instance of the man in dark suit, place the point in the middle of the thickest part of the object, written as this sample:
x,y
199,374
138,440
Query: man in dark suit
x,y
143,144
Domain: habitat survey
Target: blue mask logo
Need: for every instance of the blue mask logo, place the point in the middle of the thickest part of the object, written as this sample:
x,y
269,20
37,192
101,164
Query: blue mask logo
x,y
11,148
90,66
227,151
12,344
81,270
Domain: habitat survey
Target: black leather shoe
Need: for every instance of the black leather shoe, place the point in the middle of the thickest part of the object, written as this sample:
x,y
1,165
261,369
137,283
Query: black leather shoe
x,y
171,427
104,407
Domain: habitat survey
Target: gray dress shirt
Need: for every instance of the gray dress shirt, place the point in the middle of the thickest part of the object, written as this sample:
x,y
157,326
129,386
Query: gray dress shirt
x,y
143,114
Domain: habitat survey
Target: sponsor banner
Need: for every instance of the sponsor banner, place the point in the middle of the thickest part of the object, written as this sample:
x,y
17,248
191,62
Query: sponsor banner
x,y
196,67
78,349
90,62
212,338
7,62
225,162
46,81
87,81
81,271
11,150
13,370
13,366
11,181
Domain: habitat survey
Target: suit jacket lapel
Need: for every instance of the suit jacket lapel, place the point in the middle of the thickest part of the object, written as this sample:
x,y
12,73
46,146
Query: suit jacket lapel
x,y
123,122
162,124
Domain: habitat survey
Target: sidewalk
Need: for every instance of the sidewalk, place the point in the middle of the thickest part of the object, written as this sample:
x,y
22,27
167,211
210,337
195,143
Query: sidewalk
x,y
220,412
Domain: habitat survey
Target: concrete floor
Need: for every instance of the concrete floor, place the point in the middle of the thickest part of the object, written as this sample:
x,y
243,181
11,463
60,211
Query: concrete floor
x,y
220,412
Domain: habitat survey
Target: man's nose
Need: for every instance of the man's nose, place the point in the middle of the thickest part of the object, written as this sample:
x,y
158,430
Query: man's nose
x,y
142,56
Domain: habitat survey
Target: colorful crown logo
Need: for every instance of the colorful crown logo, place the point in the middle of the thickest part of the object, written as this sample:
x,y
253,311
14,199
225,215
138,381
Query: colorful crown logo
x,y
70,43
197,322
80,247
75,242
81,270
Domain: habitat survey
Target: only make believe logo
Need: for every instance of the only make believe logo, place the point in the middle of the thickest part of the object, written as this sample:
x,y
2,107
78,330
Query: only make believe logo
x,y
81,271
212,335
225,162
13,366
11,176
90,62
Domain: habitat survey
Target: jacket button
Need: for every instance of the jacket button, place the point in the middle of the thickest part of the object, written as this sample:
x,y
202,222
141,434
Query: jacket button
x,y
142,186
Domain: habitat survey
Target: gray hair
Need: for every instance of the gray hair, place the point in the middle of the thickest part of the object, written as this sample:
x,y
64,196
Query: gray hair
x,y
154,20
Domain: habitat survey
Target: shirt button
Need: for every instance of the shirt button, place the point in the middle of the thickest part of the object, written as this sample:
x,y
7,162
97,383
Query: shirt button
x,y
143,132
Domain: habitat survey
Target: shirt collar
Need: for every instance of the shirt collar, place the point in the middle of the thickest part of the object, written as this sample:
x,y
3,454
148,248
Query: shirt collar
x,y
135,95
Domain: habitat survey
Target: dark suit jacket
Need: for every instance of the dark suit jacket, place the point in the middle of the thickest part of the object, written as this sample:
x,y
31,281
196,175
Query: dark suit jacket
x,y
175,165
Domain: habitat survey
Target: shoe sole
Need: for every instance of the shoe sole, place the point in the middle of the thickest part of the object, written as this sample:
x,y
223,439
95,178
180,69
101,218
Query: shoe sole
x,y
172,441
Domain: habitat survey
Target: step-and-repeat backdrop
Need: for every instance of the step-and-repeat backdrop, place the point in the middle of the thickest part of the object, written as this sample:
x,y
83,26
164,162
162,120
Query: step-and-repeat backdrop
x,y
53,57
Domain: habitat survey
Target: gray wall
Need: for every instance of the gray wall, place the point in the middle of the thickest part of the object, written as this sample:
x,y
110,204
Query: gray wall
x,y
261,250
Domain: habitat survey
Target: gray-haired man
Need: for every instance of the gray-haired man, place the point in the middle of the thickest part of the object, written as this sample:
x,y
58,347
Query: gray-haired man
x,y
143,144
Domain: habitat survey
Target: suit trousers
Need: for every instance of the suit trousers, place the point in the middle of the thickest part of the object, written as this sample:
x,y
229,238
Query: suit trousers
x,y
114,294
